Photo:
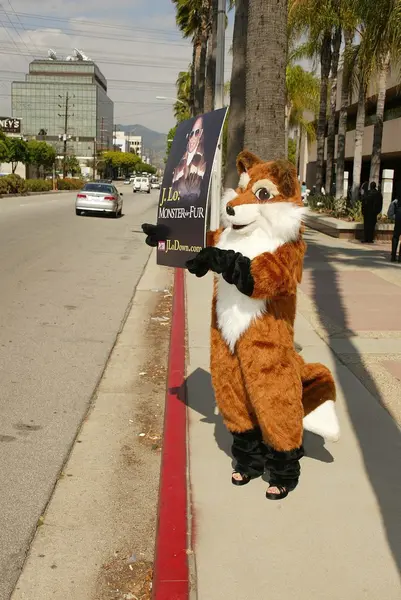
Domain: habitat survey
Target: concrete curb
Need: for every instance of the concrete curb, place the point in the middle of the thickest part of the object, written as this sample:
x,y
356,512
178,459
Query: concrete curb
x,y
28,194
347,230
171,573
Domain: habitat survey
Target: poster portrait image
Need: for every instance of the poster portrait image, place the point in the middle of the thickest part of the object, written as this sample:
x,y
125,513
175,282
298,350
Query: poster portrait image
x,y
183,203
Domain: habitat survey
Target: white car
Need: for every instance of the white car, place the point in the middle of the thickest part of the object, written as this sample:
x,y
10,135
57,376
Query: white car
x,y
141,184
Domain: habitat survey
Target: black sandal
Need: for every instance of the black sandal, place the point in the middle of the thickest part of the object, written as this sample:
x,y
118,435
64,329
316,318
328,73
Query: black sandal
x,y
283,493
245,478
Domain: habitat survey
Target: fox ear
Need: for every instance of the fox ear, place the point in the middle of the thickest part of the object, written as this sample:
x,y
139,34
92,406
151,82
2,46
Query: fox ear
x,y
285,174
246,160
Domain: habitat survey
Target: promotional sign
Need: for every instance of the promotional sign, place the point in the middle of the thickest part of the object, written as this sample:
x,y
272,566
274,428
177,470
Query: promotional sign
x,y
183,202
10,125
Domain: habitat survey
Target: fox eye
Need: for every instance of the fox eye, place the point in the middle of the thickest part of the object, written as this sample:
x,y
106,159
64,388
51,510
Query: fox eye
x,y
262,194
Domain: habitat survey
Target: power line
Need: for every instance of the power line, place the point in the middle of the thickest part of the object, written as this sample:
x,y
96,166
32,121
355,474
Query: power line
x,y
122,38
110,54
109,62
22,25
96,23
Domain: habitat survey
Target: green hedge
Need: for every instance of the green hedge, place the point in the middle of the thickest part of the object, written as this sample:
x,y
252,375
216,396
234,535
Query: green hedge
x,y
70,184
12,184
39,185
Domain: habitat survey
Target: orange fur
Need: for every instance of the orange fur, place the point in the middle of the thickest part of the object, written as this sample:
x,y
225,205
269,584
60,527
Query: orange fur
x,y
264,381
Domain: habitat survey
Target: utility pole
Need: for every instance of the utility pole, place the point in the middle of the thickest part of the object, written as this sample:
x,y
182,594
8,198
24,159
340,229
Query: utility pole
x,y
94,158
65,135
218,103
101,134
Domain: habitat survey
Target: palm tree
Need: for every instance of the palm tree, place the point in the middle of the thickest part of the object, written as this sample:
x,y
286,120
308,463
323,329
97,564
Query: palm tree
x,y
318,21
302,97
236,115
265,78
331,131
211,57
347,67
192,17
182,108
382,43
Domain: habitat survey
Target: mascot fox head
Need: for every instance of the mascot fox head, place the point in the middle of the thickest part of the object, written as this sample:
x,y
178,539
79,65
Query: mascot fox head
x,y
267,200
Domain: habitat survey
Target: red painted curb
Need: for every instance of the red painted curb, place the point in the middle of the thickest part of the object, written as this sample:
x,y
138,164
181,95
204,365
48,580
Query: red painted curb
x,y
170,576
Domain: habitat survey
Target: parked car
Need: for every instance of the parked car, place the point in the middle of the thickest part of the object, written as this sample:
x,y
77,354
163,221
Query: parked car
x,y
99,197
141,184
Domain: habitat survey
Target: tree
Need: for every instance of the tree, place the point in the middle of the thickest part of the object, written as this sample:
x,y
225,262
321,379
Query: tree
x,y
192,19
17,152
211,57
347,67
145,168
236,115
380,45
41,155
265,78
182,108
302,94
124,161
3,148
170,137
331,132
72,165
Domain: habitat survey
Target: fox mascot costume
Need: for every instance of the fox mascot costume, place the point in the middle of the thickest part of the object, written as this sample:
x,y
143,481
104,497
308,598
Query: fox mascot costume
x,y
264,390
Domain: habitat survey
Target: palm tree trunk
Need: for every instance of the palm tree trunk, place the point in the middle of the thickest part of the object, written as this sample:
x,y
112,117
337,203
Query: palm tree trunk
x,y
211,58
192,102
342,121
359,131
236,115
297,147
378,130
202,73
265,78
325,65
331,134
197,73
286,117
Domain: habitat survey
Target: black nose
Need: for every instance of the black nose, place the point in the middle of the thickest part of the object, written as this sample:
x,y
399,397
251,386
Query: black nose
x,y
230,211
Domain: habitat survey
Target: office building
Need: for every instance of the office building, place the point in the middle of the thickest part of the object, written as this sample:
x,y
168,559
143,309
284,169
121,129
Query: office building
x,y
65,99
391,142
127,143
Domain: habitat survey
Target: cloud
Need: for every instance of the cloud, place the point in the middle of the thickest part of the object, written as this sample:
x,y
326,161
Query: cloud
x,y
135,43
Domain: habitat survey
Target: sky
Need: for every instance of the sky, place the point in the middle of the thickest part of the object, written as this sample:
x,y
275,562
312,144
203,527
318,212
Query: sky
x,y
135,43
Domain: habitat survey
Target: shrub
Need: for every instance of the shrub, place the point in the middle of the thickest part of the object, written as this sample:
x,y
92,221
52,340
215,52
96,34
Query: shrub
x,y
39,185
12,184
69,184
336,207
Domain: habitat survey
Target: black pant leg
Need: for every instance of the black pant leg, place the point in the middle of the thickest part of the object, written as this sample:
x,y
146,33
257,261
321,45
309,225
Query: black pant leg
x,y
249,452
284,468
395,241
369,223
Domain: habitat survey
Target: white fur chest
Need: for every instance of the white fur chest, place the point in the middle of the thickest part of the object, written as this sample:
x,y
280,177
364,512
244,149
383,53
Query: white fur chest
x,y
235,311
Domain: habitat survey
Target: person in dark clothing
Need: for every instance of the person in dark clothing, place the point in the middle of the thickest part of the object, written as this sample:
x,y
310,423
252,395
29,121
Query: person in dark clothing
x,y
394,212
372,205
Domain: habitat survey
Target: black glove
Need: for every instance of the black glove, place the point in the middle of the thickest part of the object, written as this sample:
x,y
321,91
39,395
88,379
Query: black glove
x,y
208,259
233,266
238,273
154,233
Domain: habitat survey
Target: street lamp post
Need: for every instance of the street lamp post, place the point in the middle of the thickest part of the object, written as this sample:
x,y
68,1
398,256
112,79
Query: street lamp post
x,y
218,103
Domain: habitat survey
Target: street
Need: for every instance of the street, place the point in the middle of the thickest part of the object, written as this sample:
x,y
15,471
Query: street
x,y
66,283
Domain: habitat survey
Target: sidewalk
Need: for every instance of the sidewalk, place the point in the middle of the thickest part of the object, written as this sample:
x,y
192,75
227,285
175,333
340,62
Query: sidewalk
x,y
338,536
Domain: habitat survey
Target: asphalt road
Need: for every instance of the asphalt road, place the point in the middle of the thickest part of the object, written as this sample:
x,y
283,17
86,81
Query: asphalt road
x,y
65,284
